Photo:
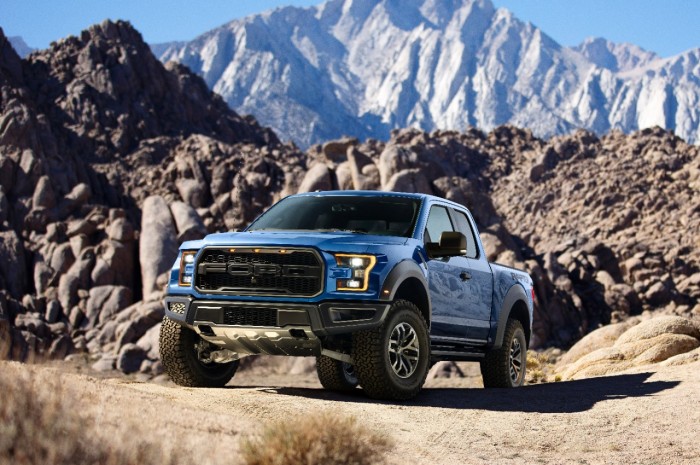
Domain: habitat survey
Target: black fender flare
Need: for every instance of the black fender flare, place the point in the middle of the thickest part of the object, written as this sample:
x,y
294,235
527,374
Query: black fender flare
x,y
515,293
401,272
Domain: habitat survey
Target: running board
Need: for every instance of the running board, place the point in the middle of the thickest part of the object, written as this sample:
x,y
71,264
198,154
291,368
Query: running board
x,y
456,356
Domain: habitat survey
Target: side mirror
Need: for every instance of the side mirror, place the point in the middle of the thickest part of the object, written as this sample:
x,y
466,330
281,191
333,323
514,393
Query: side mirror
x,y
451,244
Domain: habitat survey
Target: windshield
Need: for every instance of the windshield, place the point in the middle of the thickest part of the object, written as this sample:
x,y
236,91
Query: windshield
x,y
382,215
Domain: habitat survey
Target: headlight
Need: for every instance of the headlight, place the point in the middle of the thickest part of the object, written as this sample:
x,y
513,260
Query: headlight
x,y
187,267
360,266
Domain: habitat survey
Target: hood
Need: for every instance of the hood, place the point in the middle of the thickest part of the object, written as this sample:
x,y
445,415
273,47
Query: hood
x,y
326,241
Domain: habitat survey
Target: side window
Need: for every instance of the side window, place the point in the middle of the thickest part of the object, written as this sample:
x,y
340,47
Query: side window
x,y
465,228
438,222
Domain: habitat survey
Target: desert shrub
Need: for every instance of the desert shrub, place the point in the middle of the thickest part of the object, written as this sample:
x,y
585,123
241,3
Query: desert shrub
x,y
541,366
40,424
324,438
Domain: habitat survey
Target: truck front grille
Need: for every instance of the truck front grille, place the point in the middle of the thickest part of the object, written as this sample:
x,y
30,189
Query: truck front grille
x,y
260,271
250,316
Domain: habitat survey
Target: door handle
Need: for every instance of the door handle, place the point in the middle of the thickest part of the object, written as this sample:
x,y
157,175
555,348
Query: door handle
x,y
464,276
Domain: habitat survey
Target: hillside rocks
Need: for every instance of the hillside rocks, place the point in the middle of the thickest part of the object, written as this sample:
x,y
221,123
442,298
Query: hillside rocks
x,y
94,204
672,340
109,160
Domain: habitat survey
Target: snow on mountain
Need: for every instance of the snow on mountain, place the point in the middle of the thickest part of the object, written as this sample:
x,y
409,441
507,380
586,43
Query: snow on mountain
x,y
364,67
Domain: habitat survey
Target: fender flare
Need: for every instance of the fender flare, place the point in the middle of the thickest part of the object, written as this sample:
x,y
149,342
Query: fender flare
x,y
400,273
515,293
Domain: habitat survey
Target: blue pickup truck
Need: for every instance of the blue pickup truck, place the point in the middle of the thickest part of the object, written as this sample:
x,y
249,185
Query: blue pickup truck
x,y
377,286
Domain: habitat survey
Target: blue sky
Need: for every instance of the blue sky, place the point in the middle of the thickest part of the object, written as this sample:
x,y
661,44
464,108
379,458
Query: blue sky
x,y
667,27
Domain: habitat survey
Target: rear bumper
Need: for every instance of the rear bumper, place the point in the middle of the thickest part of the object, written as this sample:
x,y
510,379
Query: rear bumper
x,y
273,328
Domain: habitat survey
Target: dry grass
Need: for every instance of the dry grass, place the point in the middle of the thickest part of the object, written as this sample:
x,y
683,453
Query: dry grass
x,y
40,424
319,439
541,366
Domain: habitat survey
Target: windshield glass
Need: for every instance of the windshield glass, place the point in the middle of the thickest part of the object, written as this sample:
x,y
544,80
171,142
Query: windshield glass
x,y
382,215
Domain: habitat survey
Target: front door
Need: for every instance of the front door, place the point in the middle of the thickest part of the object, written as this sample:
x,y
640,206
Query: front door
x,y
458,311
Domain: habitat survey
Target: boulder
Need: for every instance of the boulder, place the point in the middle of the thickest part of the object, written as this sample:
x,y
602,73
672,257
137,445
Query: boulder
x,y
150,342
80,227
660,325
102,274
621,357
62,258
336,151
192,192
75,199
106,363
144,317
651,341
121,261
598,339
53,311
343,175
365,175
318,178
44,195
188,223
105,301
393,159
61,347
158,243
121,229
130,358
13,275
408,181
42,276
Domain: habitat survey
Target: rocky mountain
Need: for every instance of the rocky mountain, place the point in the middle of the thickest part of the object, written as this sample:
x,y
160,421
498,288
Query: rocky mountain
x,y
614,57
364,67
20,46
109,159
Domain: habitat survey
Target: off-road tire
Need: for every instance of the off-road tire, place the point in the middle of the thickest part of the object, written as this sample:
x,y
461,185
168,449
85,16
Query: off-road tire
x,y
180,361
496,366
372,361
335,375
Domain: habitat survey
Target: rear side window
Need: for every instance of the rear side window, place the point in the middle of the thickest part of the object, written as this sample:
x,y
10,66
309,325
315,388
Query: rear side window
x,y
438,222
465,227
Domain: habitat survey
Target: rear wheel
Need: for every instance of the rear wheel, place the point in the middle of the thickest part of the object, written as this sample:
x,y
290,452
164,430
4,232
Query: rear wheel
x,y
336,375
392,361
185,357
505,367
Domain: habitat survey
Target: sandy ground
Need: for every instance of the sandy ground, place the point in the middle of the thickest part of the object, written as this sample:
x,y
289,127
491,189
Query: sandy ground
x,y
632,418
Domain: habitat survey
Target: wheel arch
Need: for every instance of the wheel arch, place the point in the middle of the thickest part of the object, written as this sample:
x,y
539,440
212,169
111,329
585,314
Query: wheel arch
x,y
407,282
514,306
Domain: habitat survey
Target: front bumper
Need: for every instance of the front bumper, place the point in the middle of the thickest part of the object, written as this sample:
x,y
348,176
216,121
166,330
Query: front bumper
x,y
273,328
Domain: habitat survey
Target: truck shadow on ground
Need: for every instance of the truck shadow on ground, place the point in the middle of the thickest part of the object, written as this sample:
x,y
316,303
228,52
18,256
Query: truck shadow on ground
x,y
563,397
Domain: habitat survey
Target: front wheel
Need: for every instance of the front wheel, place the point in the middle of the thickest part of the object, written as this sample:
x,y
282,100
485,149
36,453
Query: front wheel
x,y
184,356
392,361
505,367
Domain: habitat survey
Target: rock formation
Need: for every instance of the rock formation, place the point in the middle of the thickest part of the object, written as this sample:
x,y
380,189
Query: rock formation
x,y
109,160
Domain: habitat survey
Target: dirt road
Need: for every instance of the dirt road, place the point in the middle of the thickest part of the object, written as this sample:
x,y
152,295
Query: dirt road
x,y
633,418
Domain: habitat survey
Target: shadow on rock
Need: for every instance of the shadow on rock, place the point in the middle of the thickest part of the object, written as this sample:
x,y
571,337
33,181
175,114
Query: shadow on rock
x,y
565,397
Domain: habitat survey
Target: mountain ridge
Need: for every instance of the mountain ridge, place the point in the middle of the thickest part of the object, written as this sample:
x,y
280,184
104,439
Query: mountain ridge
x,y
363,68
